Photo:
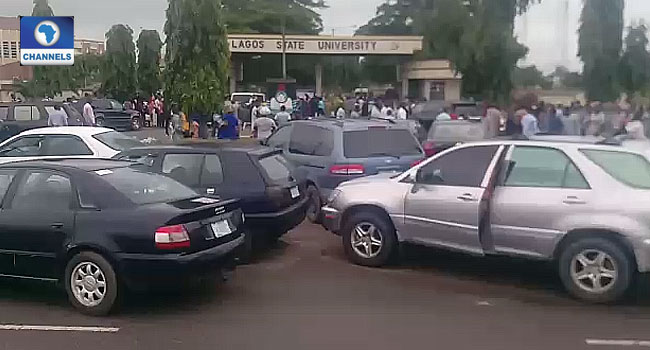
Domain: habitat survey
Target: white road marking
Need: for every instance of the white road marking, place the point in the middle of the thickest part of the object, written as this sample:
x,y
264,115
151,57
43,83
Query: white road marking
x,y
483,303
618,342
20,327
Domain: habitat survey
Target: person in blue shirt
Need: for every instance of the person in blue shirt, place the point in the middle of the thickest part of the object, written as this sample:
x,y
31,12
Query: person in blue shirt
x,y
229,129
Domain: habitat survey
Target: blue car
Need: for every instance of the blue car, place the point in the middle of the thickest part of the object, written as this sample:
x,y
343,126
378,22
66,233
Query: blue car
x,y
327,152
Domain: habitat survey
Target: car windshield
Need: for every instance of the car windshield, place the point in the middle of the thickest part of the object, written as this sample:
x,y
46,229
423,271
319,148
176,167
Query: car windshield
x,y
115,105
456,132
628,168
145,188
117,141
276,167
380,142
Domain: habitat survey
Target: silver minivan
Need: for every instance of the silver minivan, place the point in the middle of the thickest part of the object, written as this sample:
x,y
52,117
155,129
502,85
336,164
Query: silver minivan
x,y
585,206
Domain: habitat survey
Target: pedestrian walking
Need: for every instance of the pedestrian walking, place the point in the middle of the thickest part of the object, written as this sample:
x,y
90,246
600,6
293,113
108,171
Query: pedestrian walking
x,y
283,117
529,125
402,113
356,112
57,117
263,126
229,128
88,113
492,121
340,112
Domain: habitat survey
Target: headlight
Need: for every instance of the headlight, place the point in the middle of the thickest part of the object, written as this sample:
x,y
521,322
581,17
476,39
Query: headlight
x,y
333,195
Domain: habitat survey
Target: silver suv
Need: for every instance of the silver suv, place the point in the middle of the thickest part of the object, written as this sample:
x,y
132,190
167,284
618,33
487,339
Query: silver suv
x,y
585,206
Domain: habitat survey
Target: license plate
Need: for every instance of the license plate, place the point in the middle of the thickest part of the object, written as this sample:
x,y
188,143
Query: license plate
x,y
295,192
221,228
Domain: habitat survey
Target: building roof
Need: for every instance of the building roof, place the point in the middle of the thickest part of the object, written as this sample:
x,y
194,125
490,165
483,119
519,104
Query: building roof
x,y
9,23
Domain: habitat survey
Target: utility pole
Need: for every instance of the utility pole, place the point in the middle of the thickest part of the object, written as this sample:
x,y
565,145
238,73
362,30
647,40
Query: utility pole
x,y
284,47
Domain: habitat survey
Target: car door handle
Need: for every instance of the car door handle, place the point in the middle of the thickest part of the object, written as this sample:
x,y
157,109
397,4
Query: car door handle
x,y
57,225
573,200
467,197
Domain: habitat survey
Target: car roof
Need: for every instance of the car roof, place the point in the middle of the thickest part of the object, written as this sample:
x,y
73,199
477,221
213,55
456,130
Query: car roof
x,y
355,124
455,122
556,144
85,164
254,150
73,130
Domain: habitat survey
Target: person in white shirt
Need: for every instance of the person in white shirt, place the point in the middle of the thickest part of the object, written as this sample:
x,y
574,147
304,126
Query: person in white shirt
x,y
340,113
263,127
529,125
57,117
88,114
283,117
375,112
402,114
443,115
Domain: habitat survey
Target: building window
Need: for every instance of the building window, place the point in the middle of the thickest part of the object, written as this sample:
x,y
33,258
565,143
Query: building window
x,y
5,49
14,49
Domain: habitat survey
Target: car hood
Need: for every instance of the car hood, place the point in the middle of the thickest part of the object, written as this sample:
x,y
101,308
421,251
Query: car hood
x,y
373,179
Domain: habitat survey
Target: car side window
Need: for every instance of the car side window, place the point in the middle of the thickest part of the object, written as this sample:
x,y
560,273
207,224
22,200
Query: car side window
x,y
4,112
27,146
23,113
184,168
6,177
212,172
464,167
542,167
311,140
42,190
280,138
66,146
36,114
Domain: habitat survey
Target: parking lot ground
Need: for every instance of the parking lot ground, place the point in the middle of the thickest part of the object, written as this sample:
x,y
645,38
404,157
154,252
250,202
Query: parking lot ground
x,y
303,294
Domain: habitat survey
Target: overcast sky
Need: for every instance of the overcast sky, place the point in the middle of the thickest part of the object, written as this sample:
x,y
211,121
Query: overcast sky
x,y
542,30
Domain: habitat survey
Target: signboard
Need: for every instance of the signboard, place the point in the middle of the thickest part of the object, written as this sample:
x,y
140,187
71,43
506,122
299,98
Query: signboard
x,y
47,41
325,45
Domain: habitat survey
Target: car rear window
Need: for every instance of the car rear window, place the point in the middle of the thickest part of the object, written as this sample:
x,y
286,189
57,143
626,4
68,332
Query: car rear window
x,y
145,188
117,141
379,143
276,167
628,168
460,132
4,112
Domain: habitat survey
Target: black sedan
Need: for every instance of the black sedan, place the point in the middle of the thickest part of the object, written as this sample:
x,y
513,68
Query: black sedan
x,y
272,200
98,225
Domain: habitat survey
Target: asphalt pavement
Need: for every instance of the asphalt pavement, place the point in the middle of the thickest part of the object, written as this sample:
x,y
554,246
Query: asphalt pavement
x,y
303,294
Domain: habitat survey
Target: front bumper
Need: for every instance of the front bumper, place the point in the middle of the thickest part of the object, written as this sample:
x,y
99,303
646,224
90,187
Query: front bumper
x,y
278,223
331,219
140,271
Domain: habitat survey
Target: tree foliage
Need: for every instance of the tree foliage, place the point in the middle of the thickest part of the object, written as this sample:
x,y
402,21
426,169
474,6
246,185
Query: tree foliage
x,y
634,68
119,78
197,55
530,77
599,47
42,8
266,16
48,81
149,46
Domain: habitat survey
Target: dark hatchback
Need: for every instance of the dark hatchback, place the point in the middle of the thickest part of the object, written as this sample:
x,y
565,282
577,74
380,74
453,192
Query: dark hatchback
x,y
98,225
273,201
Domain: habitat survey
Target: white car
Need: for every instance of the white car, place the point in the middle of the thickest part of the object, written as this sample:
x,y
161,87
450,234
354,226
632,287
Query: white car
x,y
65,141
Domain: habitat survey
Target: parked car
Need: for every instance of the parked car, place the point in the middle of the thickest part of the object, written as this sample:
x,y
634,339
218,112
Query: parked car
x,y
112,114
16,117
65,141
446,134
272,200
583,206
102,225
328,152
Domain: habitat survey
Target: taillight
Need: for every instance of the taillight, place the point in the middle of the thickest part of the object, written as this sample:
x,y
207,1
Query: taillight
x,y
429,148
417,162
347,169
172,237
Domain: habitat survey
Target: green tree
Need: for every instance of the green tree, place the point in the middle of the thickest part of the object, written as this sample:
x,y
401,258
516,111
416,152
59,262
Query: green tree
x,y
119,73
266,16
42,8
599,47
530,77
196,55
149,46
87,70
634,68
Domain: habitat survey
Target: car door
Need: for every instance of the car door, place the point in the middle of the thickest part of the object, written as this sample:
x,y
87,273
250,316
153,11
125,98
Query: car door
x,y
21,148
211,175
40,218
537,188
6,237
310,150
443,207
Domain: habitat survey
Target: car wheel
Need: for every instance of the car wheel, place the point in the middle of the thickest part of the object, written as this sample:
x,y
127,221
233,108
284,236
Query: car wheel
x,y
136,124
596,270
91,284
313,208
245,253
369,239
99,122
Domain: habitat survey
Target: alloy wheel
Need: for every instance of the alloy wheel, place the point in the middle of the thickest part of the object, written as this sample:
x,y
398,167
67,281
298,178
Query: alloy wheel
x,y
88,284
367,240
594,271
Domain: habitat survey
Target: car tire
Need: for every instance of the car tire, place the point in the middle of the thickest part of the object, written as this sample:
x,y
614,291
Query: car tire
x,y
84,294
99,122
314,205
246,250
381,252
586,264
136,123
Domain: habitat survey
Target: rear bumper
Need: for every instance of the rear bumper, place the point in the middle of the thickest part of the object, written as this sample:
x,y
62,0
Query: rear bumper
x,y
139,271
279,222
331,219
